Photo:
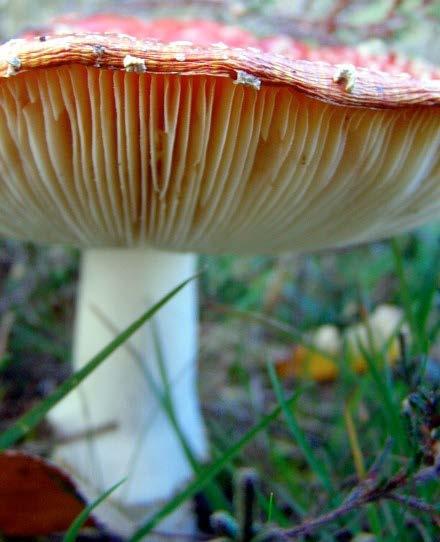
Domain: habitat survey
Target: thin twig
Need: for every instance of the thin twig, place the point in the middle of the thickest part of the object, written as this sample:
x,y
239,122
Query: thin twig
x,y
414,502
6,323
85,434
369,490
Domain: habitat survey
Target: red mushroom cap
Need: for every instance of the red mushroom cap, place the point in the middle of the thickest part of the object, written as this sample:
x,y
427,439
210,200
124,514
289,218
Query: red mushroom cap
x,y
204,33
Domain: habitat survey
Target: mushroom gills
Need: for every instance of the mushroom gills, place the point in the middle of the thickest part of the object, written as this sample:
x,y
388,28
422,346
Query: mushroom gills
x,y
197,163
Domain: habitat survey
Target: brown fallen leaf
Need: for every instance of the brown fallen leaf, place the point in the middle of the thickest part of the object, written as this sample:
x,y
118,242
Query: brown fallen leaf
x,y
306,363
309,364
36,498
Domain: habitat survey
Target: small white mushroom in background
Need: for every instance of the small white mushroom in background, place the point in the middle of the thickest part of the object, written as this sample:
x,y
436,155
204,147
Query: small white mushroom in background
x,y
143,169
321,359
379,327
327,339
377,334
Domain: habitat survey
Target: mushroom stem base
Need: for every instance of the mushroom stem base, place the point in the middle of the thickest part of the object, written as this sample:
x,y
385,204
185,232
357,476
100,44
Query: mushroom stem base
x,y
129,432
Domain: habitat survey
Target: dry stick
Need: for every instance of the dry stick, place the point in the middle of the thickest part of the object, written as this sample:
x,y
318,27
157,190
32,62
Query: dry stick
x,y
366,493
182,536
220,4
413,502
84,434
313,524
331,21
6,323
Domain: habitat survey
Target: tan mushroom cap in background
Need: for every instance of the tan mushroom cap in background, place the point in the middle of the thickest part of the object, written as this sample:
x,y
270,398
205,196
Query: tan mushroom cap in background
x,y
110,141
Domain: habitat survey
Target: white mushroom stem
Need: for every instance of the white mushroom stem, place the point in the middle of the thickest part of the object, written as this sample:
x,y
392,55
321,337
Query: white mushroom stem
x,y
117,286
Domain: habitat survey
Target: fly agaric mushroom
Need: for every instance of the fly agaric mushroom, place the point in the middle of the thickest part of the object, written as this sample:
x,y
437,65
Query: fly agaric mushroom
x,y
129,147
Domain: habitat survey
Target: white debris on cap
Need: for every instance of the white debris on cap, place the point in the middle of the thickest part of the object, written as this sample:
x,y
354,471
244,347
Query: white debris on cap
x,y
219,45
99,50
345,73
134,64
14,66
181,43
247,79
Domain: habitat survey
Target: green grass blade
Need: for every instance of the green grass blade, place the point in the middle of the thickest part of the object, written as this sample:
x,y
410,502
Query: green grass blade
x,y
285,330
218,448
215,496
391,411
270,508
406,296
83,516
298,434
427,295
32,418
207,474
164,398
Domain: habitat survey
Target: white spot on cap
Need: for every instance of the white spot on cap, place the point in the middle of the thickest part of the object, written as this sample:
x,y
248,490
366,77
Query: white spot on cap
x,y
220,45
134,64
247,79
345,73
182,43
180,57
99,50
14,65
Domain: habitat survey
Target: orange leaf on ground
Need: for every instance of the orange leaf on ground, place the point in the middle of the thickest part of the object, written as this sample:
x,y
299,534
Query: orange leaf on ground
x,y
305,363
377,332
36,498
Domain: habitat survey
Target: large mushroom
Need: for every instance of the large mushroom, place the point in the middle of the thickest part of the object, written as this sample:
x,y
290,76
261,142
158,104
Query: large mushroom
x,y
145,152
